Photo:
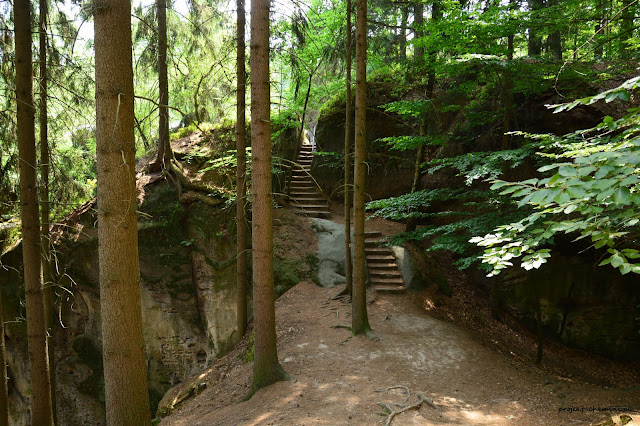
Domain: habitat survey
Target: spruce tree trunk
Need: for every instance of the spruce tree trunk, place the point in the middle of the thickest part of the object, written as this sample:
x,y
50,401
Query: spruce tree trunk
x,y
241,184
45,159
403,34
534,46
4,394
347,165
626,27
125,374
266,368
41,411
165,153
359,318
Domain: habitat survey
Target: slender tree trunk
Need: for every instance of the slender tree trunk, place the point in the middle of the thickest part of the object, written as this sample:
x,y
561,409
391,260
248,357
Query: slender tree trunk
x,y
164,146
359,318
4,392
403,33
510,37
45,160
241,184
41,411
418,32
347,164
266,367
599,30
535,42
626,27
125,373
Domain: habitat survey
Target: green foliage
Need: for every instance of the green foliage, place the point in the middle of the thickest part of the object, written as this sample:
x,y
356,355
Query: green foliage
x,y
479,165
592,193
476,211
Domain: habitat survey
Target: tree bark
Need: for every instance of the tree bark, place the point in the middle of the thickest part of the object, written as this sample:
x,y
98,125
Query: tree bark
x,y
45,159
241,184
266,367
41,410
127,398
347,164
4,392
626,27
418,22
403,33
165,153
534,46
360,320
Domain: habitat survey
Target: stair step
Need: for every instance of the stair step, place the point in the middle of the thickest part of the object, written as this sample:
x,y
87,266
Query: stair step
x,y
390,289
384,274
380,257
372,234
308,197
299,206
395,280
377,250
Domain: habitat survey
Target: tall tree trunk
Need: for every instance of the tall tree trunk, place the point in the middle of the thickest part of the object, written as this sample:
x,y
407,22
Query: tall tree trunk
x,y
266,367
125,373
41,411
418,32
241,184
359,318
348,125
45,160
403,33
534,46
626,27
417,171
599,30
165,153
4,392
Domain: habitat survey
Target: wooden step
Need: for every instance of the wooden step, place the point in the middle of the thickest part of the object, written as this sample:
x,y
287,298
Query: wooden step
x,y
372,234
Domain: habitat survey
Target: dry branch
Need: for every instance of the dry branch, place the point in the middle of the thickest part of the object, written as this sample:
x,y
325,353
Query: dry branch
x,y
391,412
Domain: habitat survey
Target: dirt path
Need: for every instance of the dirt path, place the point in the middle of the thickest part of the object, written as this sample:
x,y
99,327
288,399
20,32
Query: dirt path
x,y
337,377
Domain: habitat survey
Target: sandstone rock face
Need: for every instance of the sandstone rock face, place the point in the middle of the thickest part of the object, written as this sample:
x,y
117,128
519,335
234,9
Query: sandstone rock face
x,y
187,265
583,306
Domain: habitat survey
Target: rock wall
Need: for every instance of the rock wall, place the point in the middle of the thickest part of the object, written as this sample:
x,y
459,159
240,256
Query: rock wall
x,y
389,172
187,266
583,306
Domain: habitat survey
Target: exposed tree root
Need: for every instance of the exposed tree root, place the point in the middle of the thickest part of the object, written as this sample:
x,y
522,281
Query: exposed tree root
x,y
391,412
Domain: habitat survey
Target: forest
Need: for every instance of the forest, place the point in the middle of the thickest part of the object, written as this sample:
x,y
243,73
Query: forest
x,y
187,186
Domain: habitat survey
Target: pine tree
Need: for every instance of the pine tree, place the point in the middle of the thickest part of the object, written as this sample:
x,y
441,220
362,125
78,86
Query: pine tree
x,y
4,394
45,159
266,367
41,411
127,399
241,184
359,318
165,154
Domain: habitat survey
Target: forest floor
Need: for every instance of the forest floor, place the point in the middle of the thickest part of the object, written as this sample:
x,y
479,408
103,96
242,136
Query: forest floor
x,y
339,379
475,370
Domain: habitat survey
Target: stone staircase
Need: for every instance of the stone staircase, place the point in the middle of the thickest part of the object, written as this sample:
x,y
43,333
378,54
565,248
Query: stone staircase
x,y
384,275
304,194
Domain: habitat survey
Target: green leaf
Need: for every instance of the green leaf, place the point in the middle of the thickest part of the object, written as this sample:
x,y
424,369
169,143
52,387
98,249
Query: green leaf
x,y
576,192
617,260
567,171
622,196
